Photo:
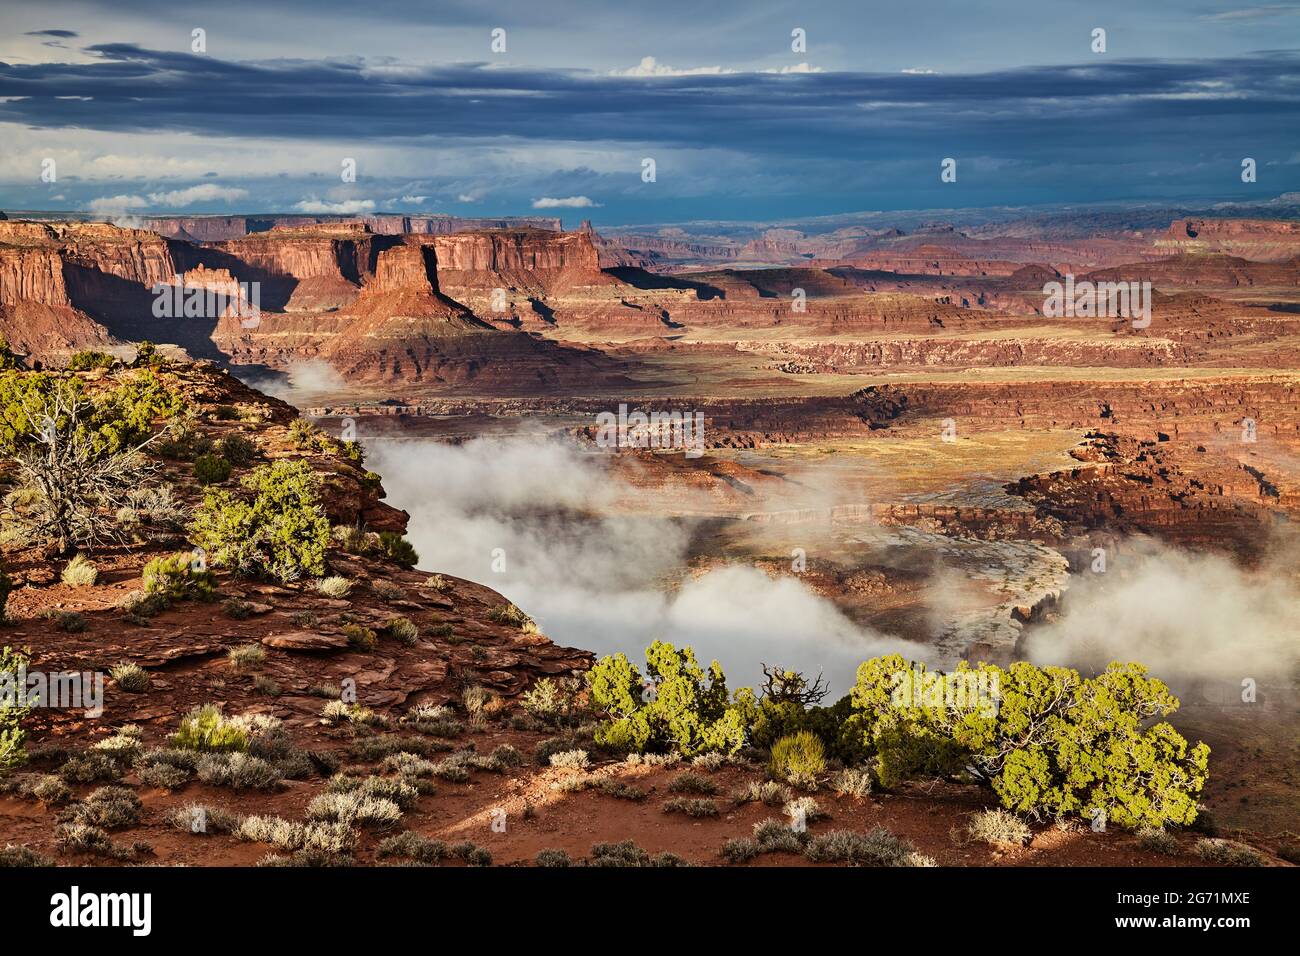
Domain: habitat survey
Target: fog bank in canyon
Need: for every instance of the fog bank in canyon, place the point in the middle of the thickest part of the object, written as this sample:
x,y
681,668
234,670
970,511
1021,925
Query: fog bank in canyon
x,y
535,519
527,517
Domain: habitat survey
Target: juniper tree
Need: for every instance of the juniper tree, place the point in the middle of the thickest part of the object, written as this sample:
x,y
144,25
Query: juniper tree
x,y
70,480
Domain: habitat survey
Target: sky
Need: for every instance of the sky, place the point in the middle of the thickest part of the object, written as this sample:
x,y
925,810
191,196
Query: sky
x,y
116,109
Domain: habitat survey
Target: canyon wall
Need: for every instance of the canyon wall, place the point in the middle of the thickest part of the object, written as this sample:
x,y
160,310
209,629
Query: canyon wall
x,y
1263,240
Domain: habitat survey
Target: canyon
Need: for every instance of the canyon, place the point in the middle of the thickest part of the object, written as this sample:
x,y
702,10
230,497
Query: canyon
x,y
901,450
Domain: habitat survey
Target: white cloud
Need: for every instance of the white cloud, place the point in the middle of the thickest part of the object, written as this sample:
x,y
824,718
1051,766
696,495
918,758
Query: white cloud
x,y
473,195
649,66
913,71
414,200
534,498
115,205
204,193
568,202
796,68
346,208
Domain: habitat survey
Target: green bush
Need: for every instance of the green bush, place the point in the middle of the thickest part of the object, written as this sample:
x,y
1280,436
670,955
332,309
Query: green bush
x,y
692,783
146,356
334,586
111,419
128,414
552,700
1048,742
79,572
237,449
130,678
8,358
404,630
178,578
211,469
786,708
690,710
279,530
238,609
1056,743
207,729
183,443
302,434
362,638
798,758
87,359
398,548
13,708
512,616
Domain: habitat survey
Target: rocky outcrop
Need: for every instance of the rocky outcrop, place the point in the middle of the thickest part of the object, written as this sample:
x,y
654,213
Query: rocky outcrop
x,y
317,268
37,315
32,274
1263,240
67,285
512,252
458,641
1175,490
830,357
933,260
401,327
1205,270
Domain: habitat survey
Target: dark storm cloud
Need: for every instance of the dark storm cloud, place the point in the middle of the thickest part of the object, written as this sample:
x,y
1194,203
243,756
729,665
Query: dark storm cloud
x,y
60,34
1023,111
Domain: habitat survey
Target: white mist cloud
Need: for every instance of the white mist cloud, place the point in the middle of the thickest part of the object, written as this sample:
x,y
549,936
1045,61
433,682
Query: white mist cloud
x,y
206,192
299,384
346,207
795,68
115,205
568,202
1183,615
601,573
649,66
606,582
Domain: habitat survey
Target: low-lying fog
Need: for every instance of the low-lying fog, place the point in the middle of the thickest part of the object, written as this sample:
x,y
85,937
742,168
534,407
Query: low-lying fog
x,y
527,517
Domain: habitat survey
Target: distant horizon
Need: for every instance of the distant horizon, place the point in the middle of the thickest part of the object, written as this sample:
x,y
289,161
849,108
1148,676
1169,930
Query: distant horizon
x,y
1284,205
